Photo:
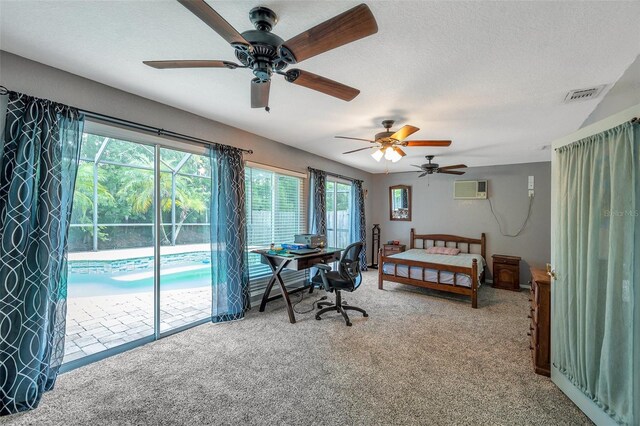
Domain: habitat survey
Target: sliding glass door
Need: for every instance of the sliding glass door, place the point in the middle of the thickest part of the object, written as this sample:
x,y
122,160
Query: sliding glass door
x,y
114,296
185,239
111,274
338,213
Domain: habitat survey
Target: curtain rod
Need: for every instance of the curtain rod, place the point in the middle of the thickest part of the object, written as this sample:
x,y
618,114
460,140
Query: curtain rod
x,y
140,126
337,175
156,130
634,120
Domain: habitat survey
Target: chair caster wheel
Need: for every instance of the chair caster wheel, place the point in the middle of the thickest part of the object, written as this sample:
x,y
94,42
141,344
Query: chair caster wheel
x,y
349,324
318,318
365,315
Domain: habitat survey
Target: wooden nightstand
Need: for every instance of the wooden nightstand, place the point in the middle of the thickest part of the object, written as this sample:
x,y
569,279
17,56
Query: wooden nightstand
x,y
506,272
389,249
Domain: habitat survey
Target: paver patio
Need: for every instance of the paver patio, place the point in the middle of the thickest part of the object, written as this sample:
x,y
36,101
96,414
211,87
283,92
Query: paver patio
x,y
102,322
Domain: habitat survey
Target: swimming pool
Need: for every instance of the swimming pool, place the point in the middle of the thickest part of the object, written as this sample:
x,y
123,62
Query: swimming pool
x,y
135,275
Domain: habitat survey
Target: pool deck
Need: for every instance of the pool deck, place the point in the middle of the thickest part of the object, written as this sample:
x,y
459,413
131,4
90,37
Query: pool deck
x,y
97,323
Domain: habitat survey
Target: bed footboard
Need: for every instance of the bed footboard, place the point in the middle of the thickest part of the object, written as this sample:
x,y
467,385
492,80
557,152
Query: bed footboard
x,y
434,285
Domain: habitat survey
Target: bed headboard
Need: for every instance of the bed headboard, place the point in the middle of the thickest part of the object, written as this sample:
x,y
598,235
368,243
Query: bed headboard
x,y
449,241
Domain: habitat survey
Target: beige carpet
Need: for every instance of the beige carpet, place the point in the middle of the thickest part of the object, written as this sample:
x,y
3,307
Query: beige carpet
x,y
420,358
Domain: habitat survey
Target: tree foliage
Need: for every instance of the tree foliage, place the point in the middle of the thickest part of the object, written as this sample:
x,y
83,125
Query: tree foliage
x,y
126,186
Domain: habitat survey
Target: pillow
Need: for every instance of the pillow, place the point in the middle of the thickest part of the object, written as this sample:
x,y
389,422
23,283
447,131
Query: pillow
x,y
443,250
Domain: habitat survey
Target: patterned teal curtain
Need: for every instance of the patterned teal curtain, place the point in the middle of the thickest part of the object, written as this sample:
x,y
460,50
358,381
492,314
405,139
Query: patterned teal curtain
x,y
358,223
38,164
317,201
597,287
229,259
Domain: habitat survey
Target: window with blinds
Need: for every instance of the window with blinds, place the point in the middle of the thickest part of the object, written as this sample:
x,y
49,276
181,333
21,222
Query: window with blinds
x,y
275,213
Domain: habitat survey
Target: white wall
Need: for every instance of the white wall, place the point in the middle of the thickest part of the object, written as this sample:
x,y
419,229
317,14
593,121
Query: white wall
x,y
624,94
36,79
435,210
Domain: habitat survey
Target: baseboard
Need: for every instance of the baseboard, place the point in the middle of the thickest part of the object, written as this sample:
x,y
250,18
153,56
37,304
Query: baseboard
x,y
587,406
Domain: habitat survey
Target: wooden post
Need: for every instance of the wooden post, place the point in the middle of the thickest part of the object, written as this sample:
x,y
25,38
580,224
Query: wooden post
x,y
474,284
380,268
411,241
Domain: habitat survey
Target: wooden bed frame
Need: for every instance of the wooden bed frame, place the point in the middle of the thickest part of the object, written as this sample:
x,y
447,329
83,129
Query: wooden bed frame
x,y
447,241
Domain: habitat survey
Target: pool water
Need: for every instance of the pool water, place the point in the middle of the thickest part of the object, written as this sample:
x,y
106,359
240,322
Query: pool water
x,y
102,278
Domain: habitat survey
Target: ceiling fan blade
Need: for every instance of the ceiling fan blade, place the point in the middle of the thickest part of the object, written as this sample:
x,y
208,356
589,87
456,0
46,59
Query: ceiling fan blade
x,y
404,132
260,93
455,166
415,165
355,139
424,174
427,143
210,17
352,25
190,64
321,84
450,172
360,149
399,151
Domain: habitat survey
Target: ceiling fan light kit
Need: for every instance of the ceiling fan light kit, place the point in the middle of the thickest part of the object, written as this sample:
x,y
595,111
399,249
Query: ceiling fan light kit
x,y
398,151
390,154
266,53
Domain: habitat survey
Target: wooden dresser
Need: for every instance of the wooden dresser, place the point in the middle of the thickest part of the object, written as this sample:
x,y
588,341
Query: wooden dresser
x,y
389,249
540,321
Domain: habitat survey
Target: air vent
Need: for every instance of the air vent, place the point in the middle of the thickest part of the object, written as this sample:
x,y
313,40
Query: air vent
x,y
583,94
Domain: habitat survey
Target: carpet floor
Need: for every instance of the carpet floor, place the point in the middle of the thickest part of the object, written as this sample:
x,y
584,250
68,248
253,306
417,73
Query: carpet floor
x,y
421,357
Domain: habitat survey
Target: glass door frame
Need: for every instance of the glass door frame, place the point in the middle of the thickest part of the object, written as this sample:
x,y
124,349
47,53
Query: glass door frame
x,y
157,143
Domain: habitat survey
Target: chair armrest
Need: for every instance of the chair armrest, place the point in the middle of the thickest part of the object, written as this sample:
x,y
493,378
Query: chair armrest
x,y
322,271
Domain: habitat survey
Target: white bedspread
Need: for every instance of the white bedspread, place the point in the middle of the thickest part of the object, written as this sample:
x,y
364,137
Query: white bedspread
x,y
463,259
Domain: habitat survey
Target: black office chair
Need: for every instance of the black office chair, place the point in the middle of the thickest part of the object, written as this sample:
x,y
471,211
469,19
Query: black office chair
x,y
347,278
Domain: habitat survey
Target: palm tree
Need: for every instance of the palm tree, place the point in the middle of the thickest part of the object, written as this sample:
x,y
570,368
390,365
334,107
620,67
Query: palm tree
x,y
137,189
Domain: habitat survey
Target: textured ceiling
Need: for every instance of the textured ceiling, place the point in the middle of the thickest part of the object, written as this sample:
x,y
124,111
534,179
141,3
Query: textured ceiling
x,y
491,76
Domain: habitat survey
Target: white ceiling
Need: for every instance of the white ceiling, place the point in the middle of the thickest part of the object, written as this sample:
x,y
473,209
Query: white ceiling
x,y
491,76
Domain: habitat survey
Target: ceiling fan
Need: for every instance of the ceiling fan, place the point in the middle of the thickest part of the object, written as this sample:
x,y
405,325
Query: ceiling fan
x,y
265,53
389,143
431,168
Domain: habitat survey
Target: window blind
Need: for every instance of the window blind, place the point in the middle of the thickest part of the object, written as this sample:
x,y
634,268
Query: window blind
x,y
275,213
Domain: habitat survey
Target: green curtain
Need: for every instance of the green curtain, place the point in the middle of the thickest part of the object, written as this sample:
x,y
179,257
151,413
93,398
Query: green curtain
x,y
38,164
596,292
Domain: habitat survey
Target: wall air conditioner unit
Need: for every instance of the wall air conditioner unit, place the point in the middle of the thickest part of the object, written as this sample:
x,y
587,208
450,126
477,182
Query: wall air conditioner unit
x,y
470,190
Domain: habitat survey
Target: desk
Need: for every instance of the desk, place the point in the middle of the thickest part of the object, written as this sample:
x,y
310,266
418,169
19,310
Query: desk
x,y
278,263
